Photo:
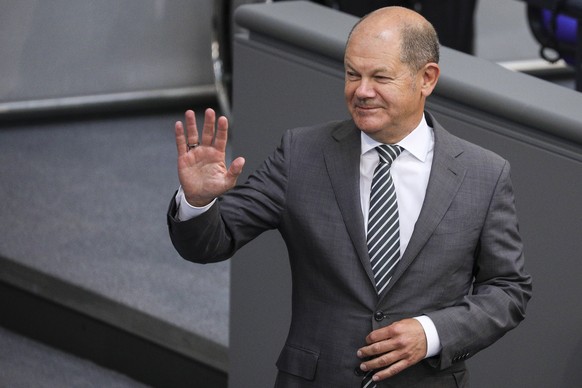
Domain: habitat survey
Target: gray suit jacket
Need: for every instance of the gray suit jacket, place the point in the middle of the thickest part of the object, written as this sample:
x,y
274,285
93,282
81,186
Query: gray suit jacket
x,y
464,265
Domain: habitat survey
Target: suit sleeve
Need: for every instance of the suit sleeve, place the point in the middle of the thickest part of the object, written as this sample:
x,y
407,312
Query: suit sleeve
x,y
501,287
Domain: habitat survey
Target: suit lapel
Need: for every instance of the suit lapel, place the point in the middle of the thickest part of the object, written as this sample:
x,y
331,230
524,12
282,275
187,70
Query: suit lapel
x,y
445,179
342,159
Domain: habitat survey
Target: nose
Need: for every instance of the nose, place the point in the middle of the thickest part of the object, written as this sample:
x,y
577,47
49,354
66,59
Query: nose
x,y
365,89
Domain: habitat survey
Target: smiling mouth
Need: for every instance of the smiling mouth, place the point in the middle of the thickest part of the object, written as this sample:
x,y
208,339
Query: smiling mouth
x,y
364,108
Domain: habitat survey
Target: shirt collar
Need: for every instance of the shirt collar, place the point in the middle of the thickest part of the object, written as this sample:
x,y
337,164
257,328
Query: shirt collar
x,y
418,142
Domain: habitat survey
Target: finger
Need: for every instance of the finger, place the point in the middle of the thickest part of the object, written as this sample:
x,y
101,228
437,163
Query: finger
x,y
192,130
381,361
391,371
180,138
377,342
392,362
221,137
381,334
375,349
234,171
208,129
236,167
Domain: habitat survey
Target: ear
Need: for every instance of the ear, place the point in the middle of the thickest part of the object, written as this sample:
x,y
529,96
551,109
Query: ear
x,y
430,76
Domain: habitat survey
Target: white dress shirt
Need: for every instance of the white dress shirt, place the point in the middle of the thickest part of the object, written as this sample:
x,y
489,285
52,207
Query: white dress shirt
x,y
410,173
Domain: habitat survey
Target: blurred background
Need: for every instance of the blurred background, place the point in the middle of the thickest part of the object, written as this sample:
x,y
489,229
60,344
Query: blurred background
x,y
91,291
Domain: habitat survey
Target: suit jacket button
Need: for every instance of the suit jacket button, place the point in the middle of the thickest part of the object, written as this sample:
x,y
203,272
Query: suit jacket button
x,y
379,315
358,371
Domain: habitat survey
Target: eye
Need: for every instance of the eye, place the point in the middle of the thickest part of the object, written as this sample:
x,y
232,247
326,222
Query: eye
x,y
352,75
382,79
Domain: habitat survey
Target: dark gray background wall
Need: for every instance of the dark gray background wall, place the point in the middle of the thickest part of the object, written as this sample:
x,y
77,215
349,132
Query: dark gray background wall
x,y
536,125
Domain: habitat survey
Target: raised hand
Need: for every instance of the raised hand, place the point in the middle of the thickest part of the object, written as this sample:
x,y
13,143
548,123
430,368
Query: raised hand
x,y
202,166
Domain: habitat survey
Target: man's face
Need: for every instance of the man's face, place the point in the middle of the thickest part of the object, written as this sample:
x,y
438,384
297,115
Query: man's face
x,y
384,98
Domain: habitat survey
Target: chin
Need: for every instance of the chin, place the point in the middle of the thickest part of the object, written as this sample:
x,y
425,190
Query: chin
x,y
367,126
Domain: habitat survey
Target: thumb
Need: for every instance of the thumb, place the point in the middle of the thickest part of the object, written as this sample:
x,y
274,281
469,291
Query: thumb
x,y
236,167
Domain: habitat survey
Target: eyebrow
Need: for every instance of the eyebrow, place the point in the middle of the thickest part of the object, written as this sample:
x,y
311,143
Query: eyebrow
x,y
374,71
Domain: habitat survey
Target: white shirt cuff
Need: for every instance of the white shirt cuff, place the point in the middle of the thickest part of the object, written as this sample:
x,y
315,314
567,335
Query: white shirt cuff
x,y
185,210
433,342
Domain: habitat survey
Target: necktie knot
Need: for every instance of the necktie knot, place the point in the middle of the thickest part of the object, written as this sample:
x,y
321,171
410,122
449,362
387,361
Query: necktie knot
x,y
388,152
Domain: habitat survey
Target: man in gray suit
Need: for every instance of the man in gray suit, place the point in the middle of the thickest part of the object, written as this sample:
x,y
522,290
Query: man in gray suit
x,y
458,283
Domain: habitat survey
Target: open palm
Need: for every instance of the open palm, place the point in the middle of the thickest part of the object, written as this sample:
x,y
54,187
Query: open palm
x,y
202,168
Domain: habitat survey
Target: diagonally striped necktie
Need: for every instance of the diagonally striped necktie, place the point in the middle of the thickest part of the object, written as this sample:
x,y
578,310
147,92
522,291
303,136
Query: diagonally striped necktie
x,y
383,225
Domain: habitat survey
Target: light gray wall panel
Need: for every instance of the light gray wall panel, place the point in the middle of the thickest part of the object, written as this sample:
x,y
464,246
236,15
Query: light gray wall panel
x,y
64,48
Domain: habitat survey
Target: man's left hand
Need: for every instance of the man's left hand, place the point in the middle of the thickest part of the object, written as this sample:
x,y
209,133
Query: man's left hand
x,y
394,348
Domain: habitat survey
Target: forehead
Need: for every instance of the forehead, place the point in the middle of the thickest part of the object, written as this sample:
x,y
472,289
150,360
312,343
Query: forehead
x,y
373,50
374,38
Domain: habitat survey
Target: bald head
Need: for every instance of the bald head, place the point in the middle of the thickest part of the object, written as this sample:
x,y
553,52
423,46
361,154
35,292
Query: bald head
x,y
418,40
